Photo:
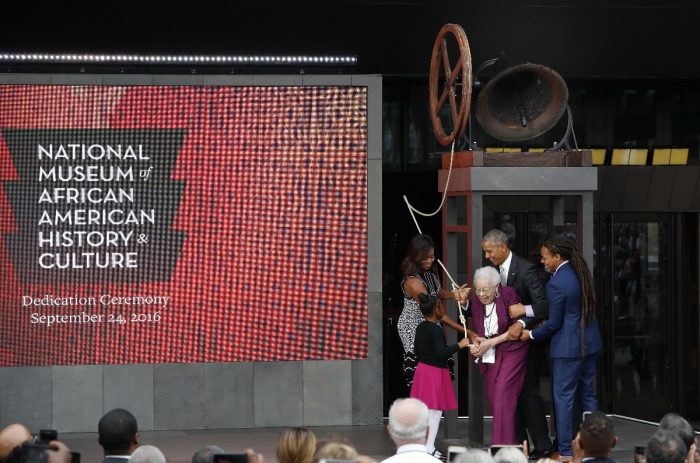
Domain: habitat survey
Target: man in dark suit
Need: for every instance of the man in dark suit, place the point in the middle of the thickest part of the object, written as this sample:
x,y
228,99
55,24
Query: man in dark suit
x,y
118,435
573,329
528,282
595,439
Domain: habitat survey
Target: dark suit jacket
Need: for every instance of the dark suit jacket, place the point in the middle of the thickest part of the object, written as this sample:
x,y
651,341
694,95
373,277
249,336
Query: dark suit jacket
x,y
525,278
598,460
564,323
117,459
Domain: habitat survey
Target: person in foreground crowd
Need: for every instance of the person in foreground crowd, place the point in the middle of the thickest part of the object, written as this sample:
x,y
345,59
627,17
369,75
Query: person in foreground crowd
x,y
432,383
665,447
336,451
296,445
118,435
575,336
408,428
206,454
474,456
147,454
679,426
595,439
510,455
502,363
11,437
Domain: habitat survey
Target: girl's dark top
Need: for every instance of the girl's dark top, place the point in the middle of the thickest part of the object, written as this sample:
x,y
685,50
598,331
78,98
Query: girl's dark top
x,y
430,345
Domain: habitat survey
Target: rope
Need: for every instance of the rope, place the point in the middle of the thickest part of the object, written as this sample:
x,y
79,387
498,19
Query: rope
x,y
412,209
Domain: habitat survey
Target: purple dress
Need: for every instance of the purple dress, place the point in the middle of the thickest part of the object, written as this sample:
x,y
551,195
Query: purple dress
x,y
504,379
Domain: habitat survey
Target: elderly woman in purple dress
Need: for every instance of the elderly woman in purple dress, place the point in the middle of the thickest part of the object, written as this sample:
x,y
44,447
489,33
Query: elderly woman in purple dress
x,y
502,362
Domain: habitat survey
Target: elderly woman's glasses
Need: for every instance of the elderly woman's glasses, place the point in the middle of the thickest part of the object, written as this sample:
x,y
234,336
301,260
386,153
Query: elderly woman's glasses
x,y
485,290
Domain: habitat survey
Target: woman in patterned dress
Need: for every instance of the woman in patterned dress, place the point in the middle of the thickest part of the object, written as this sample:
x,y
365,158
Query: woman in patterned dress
x,y
419,271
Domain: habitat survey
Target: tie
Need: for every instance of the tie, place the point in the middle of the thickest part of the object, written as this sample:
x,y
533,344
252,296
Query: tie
x,y
504,276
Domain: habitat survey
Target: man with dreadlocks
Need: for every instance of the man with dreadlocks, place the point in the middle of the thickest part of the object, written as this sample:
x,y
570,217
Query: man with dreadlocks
x,y
573,328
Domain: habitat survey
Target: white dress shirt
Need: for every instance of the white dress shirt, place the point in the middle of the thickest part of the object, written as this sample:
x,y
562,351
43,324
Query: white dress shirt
x,y
412,453
504,269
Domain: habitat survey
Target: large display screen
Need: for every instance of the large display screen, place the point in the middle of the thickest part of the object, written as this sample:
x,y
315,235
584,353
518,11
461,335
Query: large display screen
x,y
157,224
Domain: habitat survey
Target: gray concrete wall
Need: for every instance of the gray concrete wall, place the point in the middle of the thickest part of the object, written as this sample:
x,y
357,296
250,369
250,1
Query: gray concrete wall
x,y
216,395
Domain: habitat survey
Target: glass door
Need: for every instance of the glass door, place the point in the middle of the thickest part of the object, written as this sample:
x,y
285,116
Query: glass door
x,y
636,305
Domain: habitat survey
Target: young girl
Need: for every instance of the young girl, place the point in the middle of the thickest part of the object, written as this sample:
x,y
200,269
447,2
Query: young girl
x,y
431,381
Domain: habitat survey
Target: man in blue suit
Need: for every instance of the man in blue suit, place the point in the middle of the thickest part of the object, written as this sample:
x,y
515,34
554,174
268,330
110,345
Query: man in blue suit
x,y
573,329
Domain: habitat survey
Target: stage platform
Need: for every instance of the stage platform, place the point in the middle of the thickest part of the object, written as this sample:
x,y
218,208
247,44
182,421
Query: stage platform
x,y
178,446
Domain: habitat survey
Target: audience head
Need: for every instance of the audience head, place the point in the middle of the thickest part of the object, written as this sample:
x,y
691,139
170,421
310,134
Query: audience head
x,y
147,454
336,451
117,432
665,447
597,435
408,422
296,445
510,455
13,436
206,454
678,425
474,456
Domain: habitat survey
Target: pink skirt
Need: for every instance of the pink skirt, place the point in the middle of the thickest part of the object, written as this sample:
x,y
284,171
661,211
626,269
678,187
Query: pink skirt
x,y
433,386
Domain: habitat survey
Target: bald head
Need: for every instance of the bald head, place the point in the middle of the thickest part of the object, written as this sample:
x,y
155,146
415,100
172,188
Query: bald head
x,y
408,422
147,454
13,436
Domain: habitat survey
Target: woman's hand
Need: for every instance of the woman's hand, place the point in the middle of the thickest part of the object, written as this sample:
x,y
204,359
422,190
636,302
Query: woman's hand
x,y
463,293
481,346
464,342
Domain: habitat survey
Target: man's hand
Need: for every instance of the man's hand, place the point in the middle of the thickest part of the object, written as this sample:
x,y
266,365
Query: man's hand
x,y
59,453
577,449
516,311
525,336
514,331
254,457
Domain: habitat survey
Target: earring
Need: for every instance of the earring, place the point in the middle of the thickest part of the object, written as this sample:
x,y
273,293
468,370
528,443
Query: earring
x,y
497,293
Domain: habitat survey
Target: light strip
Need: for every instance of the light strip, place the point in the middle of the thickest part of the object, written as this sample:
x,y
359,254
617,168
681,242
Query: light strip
x,y
178,59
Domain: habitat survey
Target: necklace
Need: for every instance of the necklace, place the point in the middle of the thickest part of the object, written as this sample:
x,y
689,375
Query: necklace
x,y
489,313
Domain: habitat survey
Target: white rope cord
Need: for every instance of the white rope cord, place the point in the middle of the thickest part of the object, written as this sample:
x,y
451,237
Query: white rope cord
x,y
412,209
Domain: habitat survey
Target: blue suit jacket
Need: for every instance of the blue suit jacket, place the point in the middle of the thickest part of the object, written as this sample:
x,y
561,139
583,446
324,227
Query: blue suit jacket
x,y
564,323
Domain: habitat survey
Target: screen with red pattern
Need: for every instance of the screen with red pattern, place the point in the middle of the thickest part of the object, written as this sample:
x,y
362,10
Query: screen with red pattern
x,y
157,224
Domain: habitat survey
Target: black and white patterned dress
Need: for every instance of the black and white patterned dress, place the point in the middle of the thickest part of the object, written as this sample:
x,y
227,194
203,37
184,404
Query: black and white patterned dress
x,y
411,317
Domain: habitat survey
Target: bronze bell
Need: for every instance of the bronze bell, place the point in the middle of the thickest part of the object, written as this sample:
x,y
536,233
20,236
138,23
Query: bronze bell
x,y
522,102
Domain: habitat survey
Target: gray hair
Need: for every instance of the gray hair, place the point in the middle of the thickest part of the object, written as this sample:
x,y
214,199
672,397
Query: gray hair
x,y
408,421
206,454
489,274
147,454
665,447
474,456
510,455
495,236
